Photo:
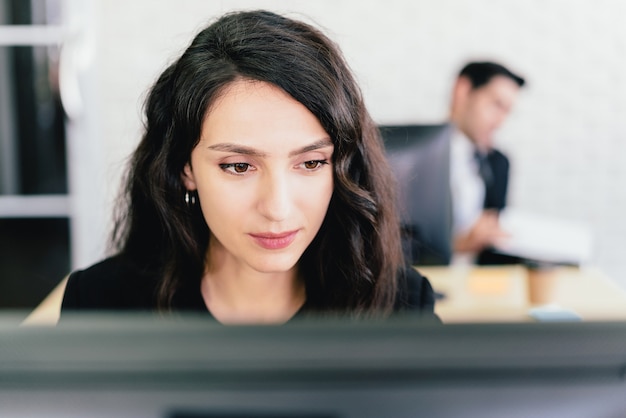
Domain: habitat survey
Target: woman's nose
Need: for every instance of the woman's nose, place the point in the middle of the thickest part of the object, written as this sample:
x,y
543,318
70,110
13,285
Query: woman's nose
x,y
275,197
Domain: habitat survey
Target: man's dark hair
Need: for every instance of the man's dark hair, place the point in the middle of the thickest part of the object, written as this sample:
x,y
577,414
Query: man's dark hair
x,y
481,73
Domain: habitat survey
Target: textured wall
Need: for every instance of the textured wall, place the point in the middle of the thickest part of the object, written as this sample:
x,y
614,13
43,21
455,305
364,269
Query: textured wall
x,y
567,136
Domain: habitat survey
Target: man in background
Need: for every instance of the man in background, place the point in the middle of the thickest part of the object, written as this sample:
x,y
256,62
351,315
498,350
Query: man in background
x,y
484,94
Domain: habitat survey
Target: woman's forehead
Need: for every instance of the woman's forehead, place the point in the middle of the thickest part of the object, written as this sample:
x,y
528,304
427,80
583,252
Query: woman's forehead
x,y
262,116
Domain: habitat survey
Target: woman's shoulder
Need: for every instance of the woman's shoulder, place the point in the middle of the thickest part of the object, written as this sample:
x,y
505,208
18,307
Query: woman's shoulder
x,y
414,292
114,283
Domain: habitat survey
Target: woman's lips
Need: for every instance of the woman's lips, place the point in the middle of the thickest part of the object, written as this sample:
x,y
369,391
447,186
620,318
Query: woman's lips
x,y
272,241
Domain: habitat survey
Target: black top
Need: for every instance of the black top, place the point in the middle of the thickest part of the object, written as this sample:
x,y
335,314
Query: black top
x,y
118,284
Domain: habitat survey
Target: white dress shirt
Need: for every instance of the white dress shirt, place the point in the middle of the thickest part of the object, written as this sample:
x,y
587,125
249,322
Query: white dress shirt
x,y
466,185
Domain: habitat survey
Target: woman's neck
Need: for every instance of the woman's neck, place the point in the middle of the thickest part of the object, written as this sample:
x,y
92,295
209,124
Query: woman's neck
x,y
237,294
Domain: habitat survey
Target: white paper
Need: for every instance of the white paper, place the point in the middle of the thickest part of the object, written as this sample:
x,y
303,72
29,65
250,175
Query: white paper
x,y
544,238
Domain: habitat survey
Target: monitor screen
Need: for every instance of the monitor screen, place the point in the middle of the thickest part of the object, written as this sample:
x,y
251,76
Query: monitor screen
x,y
419,155
142,367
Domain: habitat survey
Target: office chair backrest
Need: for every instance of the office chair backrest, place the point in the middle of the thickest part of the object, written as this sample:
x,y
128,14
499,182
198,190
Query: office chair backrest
x,y
420,158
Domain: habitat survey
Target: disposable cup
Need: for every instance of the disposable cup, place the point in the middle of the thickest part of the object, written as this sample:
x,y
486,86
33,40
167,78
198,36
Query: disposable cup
x,y
542,284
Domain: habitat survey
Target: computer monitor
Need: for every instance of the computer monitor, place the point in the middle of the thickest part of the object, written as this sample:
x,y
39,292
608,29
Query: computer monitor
x,y
420,158
125,366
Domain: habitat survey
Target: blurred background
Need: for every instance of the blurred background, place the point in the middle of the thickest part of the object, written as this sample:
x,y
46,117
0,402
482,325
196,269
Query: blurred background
x,y
93,60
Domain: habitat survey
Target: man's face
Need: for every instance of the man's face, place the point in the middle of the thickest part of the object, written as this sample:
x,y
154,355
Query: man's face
x,y
484,109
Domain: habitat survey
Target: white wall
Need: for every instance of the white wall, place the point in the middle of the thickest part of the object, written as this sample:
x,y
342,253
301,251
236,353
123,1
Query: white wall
x,y
567,136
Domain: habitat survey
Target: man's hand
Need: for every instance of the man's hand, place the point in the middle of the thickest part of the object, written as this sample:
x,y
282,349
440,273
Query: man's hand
x,y
484,233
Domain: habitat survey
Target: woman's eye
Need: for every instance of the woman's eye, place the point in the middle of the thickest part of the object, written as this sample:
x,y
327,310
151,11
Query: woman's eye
x,y
313,164
236,168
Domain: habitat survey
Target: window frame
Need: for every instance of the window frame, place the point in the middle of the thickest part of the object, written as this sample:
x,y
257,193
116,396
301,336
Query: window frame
x,y
83,203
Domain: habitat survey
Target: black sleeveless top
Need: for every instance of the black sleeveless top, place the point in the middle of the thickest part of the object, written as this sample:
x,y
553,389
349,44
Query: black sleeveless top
x,y
116,284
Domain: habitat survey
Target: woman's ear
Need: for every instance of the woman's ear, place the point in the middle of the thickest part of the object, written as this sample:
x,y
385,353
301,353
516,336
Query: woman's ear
x,y
188,177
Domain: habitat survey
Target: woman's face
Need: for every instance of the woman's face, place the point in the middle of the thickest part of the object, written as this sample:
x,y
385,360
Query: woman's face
x,y
262,169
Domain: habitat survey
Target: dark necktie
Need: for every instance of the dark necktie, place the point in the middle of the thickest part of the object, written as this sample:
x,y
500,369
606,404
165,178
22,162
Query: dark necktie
x,y
484,169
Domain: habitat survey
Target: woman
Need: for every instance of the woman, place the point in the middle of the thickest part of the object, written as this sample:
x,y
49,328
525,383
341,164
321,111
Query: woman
x,y
260,190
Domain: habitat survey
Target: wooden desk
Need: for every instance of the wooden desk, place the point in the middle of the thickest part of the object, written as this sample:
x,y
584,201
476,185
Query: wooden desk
x,y
499,294
47,313
473,294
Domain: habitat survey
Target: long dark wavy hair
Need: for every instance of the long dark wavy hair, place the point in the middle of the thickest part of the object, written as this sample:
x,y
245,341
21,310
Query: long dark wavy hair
x,y
353,263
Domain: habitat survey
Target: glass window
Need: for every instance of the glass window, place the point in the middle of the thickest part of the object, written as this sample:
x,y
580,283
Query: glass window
x,y
34,242
32,133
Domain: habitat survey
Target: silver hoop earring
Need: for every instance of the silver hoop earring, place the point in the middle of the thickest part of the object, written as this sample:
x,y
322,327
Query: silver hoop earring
x,y
190,198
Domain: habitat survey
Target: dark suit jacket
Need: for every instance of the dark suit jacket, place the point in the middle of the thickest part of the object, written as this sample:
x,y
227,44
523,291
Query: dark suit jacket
x,y
495,193
117,284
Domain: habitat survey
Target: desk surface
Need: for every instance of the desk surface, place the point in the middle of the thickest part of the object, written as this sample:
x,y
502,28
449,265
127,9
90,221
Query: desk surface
x,y
476,294
500,294
49,310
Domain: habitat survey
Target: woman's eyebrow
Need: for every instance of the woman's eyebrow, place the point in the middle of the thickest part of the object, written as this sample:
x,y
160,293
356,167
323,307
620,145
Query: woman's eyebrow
x,y
322,143
245,150
237,149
